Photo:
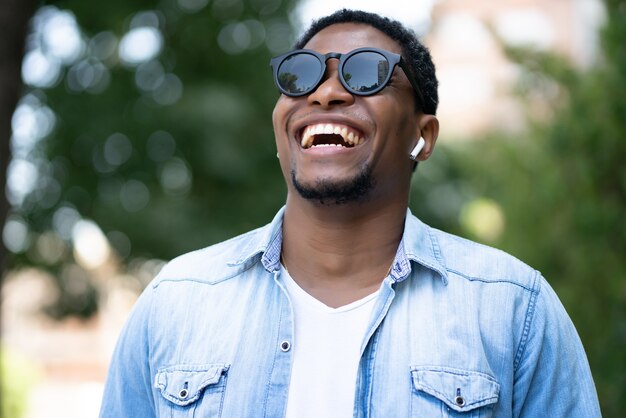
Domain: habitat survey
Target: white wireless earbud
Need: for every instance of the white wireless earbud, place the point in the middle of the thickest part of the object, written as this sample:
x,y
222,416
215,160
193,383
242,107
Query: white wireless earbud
x,y
417,149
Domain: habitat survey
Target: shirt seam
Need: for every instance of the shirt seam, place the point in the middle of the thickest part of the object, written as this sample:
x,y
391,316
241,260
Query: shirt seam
x,y
484,280
149,347
201,281
370,374
435,247
530,315
271,371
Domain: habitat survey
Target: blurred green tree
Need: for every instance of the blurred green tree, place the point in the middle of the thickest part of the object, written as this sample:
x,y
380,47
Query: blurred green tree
x,y
153,120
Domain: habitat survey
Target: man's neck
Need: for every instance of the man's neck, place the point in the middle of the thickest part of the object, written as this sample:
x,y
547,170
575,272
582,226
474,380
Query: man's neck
x,y
340,253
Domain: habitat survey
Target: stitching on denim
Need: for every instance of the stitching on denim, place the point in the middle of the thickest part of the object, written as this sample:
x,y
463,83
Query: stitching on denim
x,y
269,381
157,282
271,251
454,371
373,344
503,280
370,375
530,314
149,333
436,248
223,393
194,368
442,396
220,370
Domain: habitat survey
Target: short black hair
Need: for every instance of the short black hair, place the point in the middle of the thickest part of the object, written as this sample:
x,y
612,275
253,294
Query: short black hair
x,y
414,52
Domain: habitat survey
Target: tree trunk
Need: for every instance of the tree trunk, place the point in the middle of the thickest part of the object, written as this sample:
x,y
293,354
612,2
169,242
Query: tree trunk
x,y
14,18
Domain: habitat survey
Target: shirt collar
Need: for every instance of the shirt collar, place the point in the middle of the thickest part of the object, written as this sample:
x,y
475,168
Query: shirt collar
x,y
418,244
265,242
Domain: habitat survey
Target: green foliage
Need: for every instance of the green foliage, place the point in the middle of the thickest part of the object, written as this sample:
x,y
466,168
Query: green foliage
x,y
160,175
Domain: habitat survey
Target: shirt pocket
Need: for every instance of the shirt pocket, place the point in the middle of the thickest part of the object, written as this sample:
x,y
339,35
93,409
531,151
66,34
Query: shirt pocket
x,y
450,392
191,390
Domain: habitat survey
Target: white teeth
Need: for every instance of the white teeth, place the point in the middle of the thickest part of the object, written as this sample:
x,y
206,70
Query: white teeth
x,y
326,145
307,137
349,136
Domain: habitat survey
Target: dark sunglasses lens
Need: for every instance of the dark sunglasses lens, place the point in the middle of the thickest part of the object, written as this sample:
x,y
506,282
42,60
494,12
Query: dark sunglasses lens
x,y
299,73
365,72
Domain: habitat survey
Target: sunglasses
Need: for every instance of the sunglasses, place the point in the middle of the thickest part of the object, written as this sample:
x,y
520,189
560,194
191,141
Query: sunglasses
x,y
363,71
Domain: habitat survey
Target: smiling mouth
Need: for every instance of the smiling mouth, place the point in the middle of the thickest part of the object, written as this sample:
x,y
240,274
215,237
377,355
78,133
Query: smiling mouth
x,y
330,135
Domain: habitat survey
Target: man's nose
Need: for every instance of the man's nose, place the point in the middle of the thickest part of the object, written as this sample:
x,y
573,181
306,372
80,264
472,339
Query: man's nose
x,y
331,92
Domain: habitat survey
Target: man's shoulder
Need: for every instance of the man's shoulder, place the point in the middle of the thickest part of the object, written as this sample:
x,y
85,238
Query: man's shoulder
x,y
479,262
216,262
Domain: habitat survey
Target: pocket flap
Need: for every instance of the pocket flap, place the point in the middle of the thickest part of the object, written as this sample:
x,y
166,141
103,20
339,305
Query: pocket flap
x,y
183,384
461,390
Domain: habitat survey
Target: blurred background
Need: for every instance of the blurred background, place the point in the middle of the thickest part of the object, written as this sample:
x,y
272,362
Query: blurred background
x,y
134,131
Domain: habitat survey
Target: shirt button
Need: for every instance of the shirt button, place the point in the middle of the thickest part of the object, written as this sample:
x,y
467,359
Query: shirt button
x,y
459,401
285,346
183,393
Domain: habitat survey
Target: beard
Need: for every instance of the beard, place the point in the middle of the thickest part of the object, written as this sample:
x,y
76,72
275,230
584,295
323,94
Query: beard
x,y
336,192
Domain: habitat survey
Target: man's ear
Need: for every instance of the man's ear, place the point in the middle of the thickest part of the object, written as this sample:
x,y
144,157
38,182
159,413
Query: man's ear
x,y
427,128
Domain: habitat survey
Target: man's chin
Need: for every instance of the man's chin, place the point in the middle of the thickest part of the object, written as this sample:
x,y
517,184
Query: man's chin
x,y
331,192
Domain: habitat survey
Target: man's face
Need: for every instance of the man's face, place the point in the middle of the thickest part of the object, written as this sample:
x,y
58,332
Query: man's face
x,y
386,124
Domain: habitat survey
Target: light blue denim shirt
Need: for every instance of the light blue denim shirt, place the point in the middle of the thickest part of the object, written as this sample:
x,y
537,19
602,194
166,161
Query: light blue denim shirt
x,y
458,330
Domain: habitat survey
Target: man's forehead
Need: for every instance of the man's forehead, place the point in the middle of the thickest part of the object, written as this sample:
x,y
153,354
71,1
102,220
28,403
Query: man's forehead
x,y
345,37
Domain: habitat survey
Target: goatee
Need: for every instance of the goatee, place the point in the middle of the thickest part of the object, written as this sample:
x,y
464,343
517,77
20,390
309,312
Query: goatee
x,y
333,192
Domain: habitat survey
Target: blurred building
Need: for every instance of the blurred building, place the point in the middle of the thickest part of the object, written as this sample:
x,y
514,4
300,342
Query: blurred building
x,y
476,79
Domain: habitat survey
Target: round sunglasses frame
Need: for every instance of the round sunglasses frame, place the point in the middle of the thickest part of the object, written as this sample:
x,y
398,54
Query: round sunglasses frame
x,y
392,58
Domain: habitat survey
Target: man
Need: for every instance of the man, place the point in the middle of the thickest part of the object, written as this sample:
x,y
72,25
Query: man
x,y
346,304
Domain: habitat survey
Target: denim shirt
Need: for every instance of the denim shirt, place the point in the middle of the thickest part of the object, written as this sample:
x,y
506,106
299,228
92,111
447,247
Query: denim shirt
x,y
458,330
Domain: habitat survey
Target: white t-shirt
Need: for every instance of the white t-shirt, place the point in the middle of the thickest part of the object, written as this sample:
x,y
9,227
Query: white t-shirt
x,y
326,354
